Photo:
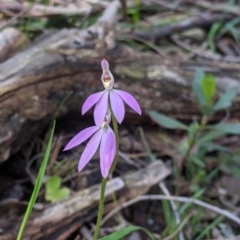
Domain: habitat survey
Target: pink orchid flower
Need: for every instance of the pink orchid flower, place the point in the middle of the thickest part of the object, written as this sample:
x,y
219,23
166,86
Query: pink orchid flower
x,y
103,136
115,98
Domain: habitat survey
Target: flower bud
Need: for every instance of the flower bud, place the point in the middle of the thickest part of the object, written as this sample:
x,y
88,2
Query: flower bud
x,y
107,77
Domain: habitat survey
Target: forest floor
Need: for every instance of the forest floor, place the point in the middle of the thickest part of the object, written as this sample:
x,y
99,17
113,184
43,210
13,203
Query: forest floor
x,y
202,164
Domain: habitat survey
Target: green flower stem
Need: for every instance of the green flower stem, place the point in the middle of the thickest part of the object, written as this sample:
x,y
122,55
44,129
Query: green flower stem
x,y
194,140
100,208
104,181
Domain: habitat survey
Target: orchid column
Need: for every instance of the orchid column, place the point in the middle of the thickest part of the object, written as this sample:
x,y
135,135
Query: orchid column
x,y
109,104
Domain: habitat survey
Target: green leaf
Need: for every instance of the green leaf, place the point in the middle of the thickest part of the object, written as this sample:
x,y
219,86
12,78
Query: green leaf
x,y
230,128
194,126
206,231
234,170
53,183
199,162
225,101
192,129
212,33
168,218
38,184
126,231
53,191
204,87
211,136
185,206
166,122
215,147
59,195
230,27
208,85
207,110
196,86
234,32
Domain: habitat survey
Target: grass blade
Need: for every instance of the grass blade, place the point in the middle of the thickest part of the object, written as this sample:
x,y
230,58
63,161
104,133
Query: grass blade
x,y
210,227
126,231
38,184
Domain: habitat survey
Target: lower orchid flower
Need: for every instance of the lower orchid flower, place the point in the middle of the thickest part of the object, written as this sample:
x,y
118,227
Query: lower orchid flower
x,y
115,98
103,136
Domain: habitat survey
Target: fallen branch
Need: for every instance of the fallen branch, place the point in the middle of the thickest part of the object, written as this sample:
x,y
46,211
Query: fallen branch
x,y
204,53
39,10
200,203
83,204
11,40
202,21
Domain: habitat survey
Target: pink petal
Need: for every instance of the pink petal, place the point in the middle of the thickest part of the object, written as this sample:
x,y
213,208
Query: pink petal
x,y
81,137
117,106
101,109
90,149
90,101
107,151
129,100
105,65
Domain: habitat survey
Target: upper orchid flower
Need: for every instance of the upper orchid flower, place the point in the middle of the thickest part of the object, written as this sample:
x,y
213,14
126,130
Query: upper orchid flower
x,y
103,136
115,98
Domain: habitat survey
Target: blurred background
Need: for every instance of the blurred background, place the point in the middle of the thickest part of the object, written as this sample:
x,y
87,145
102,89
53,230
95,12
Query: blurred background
x,y
180,59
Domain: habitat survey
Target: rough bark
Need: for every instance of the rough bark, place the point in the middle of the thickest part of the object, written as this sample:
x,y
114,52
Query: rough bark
x,y
39,10
11,40
81,206
33,82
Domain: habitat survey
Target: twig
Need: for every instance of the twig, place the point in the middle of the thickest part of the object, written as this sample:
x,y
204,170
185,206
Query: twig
x,y
87,235
161,184
200,203
30,162
205,54
173,6
78,174
229,204
174,207
21,13
217,7
202,48
201,21
148,43
126,157
123,224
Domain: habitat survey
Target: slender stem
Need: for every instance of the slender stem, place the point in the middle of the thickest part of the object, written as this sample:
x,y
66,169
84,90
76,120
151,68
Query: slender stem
x,y
193,140
104,181
100,208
